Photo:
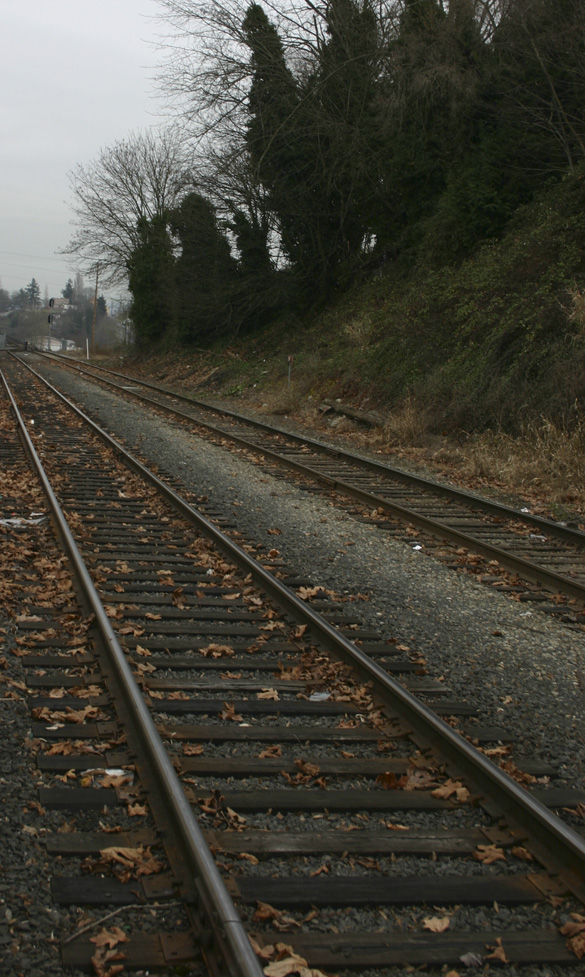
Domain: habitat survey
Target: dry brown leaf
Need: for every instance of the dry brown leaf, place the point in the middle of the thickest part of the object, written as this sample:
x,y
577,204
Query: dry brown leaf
x,y
577,945
266,912
498,952
137,810
322,870
271,751
193,749
264,952
110,938
450,788
214,650
290,962
522,853
308,769
229,712
488,854
436,924
574,926
104,960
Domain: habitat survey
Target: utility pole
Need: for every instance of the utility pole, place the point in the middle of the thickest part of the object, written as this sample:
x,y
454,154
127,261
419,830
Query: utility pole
x,y
97,272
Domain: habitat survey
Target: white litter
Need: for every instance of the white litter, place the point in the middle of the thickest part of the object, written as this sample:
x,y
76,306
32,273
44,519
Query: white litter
x,y
17,521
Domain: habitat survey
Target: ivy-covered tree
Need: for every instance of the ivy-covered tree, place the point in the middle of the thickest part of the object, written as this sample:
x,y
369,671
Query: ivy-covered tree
x,y
204,271
151,280
273,132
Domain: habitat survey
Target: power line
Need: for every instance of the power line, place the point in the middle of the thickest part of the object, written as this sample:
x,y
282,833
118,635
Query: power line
x,y
41,257
19,278
12,264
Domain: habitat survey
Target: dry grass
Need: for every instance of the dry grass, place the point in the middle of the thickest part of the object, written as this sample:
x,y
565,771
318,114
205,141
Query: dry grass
x,y
576,312
547,463
359,330
407,425
282,399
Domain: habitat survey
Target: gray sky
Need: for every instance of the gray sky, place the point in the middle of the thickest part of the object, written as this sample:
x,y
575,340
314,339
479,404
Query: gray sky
x,y
75,77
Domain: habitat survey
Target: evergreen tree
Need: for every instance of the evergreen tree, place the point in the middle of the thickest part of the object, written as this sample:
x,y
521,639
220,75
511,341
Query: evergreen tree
x,y
33,294
67,292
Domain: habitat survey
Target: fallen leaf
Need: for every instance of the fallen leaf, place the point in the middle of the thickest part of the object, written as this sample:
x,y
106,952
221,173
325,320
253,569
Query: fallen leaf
x,y
488,854
436,924
266,912
498,952
229,712
451,787
577,945
137,810
271,751
522,853
574,926
110,938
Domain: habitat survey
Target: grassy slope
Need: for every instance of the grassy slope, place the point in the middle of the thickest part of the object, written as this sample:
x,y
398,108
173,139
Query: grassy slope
x,y
494,349
487,344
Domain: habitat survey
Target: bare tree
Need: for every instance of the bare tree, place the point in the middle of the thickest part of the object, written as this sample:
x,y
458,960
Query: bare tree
x,y
143,176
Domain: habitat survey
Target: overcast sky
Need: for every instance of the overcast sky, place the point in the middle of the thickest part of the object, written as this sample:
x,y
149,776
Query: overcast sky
x,y
76,77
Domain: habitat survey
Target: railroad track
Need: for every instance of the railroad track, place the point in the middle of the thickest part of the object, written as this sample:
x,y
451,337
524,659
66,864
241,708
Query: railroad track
x,y
348,821
483,536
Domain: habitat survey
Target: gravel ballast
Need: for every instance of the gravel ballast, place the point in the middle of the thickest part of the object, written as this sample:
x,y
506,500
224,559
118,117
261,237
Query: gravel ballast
x,y
526,668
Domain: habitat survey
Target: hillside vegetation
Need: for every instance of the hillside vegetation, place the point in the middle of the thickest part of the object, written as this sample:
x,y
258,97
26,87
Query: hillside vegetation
x,y
478,369
497,341
391,193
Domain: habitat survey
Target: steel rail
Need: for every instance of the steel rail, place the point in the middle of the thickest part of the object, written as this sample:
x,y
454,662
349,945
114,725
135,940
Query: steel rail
x,y
241,959
527,569
481,503
557,843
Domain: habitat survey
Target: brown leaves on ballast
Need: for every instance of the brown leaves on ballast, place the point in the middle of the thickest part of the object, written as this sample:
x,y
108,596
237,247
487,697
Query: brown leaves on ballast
x,y
106,959
124,863
574,930
413,779
67,715
284,961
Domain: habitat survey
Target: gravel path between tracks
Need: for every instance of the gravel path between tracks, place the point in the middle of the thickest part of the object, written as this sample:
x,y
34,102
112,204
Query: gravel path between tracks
x,y
525,667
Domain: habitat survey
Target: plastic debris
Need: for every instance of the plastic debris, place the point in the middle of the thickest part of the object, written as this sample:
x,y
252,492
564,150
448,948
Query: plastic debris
x,y
35,520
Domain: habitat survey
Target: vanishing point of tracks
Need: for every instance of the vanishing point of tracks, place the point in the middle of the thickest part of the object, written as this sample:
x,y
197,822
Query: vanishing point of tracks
x,y
483,536
195,690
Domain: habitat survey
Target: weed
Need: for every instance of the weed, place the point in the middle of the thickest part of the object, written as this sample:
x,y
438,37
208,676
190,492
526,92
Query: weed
x,y
407,424
546,456
359,329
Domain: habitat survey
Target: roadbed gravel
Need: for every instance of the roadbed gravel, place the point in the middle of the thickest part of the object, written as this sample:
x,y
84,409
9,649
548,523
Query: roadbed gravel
x,y
526,667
